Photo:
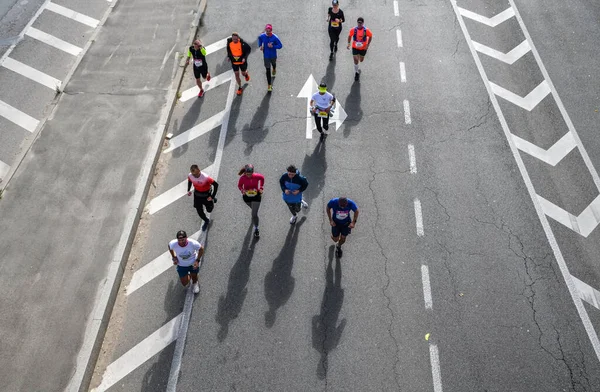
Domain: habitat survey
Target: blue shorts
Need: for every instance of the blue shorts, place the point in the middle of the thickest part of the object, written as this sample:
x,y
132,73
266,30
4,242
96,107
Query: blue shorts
x,y
340,228
184,271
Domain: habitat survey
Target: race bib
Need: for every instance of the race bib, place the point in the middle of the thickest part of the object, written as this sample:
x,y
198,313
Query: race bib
x,y
251,193
198,62
342,215
236,58
322,114
359,44
335,24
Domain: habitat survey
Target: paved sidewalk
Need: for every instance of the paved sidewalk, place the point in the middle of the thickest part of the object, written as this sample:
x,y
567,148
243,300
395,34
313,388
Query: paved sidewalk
x,y
67,214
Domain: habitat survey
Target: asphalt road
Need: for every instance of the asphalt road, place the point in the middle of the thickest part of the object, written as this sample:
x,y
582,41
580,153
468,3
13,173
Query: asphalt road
x,y
282,313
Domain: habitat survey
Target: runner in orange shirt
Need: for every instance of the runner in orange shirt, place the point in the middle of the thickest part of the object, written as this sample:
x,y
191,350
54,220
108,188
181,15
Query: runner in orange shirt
x,y
360,37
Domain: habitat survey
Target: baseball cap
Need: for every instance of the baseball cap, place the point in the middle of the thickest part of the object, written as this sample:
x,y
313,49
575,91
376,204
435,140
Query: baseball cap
x,y
322,88
181,234
249,168
335,2
269,26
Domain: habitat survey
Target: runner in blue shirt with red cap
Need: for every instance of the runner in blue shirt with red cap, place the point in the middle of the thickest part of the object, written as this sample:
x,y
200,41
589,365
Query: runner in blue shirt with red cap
x,y
340,221
268,43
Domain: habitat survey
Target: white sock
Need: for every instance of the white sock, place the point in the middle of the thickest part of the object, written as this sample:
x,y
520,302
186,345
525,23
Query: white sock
x,y
355,68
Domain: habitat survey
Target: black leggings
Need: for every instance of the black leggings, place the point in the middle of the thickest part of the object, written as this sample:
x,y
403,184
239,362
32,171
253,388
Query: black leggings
x,y
318,122
334,37
294,208
199,204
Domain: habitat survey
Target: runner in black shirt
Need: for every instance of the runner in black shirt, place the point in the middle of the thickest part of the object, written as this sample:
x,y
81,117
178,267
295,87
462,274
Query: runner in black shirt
x,y
335,18
198,53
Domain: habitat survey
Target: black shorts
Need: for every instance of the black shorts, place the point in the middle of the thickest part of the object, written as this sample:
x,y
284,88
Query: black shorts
x,y
240,67
358,52
201,200
200,71
270,63
340,228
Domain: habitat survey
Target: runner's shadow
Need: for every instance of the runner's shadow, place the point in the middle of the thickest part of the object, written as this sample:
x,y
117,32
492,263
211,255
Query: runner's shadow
x,y
188,121
234,114
352,108
279,282
230,305
314,168
255,132
329,77
326,333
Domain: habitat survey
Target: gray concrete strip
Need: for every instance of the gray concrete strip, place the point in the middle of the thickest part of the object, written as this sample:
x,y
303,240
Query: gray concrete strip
x,y
79,193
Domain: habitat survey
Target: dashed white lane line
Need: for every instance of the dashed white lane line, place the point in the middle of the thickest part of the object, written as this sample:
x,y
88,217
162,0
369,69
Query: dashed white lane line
x,y
435,368
214,82
16,116
412,159
4,169
587,292
426,287
53,41
402,72
196,131
396,8
31,73
419,218
140,353
69,13
407,119
399,37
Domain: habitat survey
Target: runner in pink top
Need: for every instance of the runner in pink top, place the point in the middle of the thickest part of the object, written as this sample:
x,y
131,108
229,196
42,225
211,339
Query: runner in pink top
x,y
251,185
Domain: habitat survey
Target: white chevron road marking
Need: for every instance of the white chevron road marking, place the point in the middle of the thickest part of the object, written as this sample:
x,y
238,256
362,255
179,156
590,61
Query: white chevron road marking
x,y
196,131
508,58
551,156
528,102
583,224
493,21
214,82
587,293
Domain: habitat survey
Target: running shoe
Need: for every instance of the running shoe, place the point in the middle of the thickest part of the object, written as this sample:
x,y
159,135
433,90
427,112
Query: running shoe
x,y
247,77
356,76
293,219
338,251
331,56
205,225
256,233
239,91
304,204
270,88
208,77
201,93
196,288
274,72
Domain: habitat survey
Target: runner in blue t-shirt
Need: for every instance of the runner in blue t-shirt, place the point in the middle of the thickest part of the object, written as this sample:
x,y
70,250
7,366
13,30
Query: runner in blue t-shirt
x,y
340,221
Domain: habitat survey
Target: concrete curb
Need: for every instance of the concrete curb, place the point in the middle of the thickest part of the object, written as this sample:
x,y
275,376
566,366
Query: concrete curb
x,y
108,290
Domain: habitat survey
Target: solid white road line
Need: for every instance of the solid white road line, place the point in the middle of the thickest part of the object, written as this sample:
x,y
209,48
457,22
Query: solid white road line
x,y
583,224
560,260
493,21
551,156
419,218
31,73
214,82
81,18
399,37
402,72
407,119
587,293
18,117
412,159
396,9
435,368
528,102
508,58
216,46
426,287
140,353
156,267
53,41
4,169
195,132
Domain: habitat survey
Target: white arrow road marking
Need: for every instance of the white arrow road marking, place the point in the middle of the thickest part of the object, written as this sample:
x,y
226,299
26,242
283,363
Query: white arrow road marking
x,y
551,156
195,132
214,82
53,41
583,224
81,18
339,115
16,116
4,169
587,292
528,102
140,353
31,73
493,21
508,58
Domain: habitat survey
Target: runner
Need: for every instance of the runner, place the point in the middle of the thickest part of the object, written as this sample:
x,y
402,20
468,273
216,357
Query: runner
x,y
237,52
198,53
361,37
186,254
320,106
292,185
251,185
341,224
335,18
205,190
268,44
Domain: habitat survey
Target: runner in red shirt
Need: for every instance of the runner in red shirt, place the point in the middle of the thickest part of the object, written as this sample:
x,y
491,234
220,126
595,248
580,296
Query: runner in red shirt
x,y
205,190
251,185
360,37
